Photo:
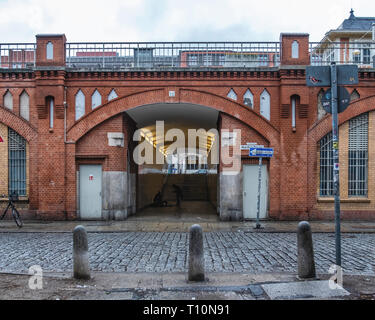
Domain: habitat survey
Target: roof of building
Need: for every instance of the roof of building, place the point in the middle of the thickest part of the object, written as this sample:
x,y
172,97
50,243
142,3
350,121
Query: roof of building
x,y
357,23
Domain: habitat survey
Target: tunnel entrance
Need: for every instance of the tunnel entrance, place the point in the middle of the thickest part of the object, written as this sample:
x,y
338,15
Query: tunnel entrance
x,y
181,181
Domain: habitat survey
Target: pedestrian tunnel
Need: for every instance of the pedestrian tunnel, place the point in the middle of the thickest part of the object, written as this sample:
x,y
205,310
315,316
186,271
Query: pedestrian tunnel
x,y
176,165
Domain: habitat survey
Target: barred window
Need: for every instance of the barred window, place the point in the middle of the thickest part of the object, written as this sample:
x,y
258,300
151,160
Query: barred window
x,y
326,166
358,155
17,163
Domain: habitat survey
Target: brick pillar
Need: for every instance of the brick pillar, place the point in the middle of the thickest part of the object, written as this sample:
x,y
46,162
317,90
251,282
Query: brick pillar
x,y
301,55
50,50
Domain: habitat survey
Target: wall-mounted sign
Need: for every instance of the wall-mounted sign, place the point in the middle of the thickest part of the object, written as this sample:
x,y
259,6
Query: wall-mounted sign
x,y
172,94
228,139
261,152
249,145
91,177
1,139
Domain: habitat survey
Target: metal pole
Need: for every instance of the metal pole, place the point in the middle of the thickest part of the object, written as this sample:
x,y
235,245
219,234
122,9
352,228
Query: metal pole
x,y
336,167
259,187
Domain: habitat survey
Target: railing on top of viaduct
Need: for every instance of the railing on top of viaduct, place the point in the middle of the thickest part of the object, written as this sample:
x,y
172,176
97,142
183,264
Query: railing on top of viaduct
x,y
167,55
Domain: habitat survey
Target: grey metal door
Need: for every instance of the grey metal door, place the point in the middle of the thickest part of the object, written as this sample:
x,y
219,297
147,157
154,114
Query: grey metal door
x,y
250,192
90,192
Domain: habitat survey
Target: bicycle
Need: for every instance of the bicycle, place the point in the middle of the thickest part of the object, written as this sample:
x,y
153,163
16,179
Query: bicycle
x,y
16,216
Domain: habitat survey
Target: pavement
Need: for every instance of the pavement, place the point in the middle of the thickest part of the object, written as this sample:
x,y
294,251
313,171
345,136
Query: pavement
x,y
145,258
182,223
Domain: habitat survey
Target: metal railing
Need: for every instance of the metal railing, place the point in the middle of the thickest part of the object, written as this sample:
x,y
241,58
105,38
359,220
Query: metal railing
x,y
165,55
193,55
359,53
17,55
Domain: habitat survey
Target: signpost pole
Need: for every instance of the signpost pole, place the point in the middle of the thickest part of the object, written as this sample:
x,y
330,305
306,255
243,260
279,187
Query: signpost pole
x,y
258,226
336,168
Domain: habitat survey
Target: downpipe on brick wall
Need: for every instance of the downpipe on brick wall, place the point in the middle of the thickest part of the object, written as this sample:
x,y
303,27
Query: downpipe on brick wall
x,y
65,125
65,143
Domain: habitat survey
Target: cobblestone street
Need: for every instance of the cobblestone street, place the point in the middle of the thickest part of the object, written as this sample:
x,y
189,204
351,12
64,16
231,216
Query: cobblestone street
x,y
167,252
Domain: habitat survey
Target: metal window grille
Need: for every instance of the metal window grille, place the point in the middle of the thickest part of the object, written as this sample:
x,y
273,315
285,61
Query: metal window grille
x,y
358,155
326,166
17,163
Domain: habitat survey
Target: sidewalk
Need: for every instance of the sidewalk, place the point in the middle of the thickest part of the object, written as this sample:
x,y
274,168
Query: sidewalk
x,y
175,224
174,286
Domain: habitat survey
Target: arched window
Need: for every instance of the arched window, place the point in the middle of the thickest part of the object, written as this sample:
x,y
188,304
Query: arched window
x,y
355,95
51,107
265,105
17,163
326,166
232,95
112,95
8,100
49,49
321,111
294,101
248,99
358,156
25,106
295,49
96,99
80,105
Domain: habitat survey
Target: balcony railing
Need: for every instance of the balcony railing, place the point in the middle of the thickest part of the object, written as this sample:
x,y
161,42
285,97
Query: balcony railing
x,y
119,56
17,55
359,53
166,55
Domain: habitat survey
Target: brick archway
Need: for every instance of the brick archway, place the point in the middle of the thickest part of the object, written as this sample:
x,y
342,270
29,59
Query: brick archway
x,y
157,96
323,127
21,126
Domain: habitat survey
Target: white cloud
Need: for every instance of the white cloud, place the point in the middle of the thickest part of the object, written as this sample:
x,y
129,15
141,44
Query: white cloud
x,y
173,20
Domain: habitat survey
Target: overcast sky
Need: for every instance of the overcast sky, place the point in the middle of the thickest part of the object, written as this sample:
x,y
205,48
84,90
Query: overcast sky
x,y
173,20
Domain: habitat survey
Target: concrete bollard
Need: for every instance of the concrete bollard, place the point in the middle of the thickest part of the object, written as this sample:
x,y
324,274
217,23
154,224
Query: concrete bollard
x,y
196,254
306,263
81,265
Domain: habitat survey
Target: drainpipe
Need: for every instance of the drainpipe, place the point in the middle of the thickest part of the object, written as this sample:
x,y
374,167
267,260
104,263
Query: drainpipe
x,y
65,125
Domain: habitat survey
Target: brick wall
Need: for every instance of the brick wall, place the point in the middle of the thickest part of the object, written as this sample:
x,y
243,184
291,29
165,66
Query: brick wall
x,y
293,171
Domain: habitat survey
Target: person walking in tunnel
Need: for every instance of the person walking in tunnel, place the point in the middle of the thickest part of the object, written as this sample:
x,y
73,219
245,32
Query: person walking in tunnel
x,y
158,201
179,195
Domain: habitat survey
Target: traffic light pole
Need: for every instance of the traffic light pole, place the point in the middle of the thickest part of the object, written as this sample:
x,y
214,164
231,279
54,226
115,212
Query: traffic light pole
x,y
336,167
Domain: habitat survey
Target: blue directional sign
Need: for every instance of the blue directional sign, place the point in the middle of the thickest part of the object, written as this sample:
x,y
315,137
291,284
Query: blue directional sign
x,y
261,152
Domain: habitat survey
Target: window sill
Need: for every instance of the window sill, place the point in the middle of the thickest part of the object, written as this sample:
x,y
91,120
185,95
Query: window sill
x,y
349,200
20,199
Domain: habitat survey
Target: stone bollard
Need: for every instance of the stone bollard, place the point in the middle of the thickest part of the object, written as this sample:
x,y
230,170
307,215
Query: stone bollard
x,y
306,263
196,254
81,265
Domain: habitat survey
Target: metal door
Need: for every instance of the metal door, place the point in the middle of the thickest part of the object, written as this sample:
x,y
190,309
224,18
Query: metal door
x,y
250,192
90,192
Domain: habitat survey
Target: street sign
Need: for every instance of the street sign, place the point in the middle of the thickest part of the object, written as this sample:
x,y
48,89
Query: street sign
x,y
320,76
334,76
343,100
249,146
261,152
347,75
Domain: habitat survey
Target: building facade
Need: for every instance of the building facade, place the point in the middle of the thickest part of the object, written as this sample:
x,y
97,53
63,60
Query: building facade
x,y
69,113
